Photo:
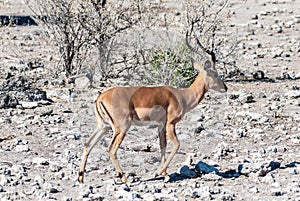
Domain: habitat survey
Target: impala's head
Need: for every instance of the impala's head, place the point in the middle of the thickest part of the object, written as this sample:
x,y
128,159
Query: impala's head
x,y
207,69
212,78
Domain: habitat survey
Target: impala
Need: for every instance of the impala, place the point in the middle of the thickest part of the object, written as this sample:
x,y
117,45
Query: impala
x,y
121,107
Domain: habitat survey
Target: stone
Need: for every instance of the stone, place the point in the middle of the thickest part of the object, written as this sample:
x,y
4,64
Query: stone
x,y
156,189
150,197
125,187
249,115
59,94
55,167
22,148
82,82
43,111
189,192
40,161
292,94
68,198
268,178
199,129
143,187
4,180
123,194
95,196
246,98
242,97
53,190
289,24
297,75
35,63
259,75
276,192
18,88
1,188
254,17
227,197
245,168
29,105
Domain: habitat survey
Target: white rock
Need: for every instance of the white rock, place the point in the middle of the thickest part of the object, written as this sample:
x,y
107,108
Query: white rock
x,y
268,179
58,94
39,179
16,169
143,187
149,196
22,148
40,161
95,196
29,105
82,82
297,76
204,189
292,94
124,195
4,180
189,192
250,115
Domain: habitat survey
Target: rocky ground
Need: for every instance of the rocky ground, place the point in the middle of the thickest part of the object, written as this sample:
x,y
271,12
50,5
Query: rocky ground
x,y
242,145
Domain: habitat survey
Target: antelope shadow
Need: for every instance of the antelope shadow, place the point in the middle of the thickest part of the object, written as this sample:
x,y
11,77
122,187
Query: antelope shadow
x,y
202,168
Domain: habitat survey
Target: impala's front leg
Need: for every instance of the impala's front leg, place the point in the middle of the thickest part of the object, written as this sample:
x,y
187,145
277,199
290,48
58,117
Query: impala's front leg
x,y
163,145
170,129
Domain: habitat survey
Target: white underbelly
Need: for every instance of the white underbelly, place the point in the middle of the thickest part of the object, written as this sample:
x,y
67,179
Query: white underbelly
x,y
146,123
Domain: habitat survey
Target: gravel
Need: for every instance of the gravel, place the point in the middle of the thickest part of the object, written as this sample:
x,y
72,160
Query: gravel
x,y
243,145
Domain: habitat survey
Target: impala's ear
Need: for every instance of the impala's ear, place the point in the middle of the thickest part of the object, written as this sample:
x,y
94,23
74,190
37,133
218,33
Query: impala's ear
x,y
197,65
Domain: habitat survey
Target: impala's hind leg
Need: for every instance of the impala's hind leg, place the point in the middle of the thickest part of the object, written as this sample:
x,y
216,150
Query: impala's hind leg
x,y
89,145
163,145
112,151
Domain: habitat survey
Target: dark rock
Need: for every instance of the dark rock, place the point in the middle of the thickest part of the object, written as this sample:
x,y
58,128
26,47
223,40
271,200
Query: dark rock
x,y
7,101
35,63
17,89
259,75
199,129
53,190
13,20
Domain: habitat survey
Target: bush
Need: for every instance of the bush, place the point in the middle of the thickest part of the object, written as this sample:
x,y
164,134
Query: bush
x,y
83,28
172,66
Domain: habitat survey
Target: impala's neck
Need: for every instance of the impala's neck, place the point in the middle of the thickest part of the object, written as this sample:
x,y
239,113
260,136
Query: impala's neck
x,y
195,93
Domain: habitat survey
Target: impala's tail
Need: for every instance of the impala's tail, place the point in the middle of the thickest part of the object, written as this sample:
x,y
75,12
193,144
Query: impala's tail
x,y
102,112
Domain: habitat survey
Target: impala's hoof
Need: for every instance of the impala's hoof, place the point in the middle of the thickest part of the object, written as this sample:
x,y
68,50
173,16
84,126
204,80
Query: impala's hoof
x,y
80,177
124,179
167,178
159,172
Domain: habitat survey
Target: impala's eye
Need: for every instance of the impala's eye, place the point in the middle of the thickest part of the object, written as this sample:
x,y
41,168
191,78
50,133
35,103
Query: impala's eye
x,y
207,65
